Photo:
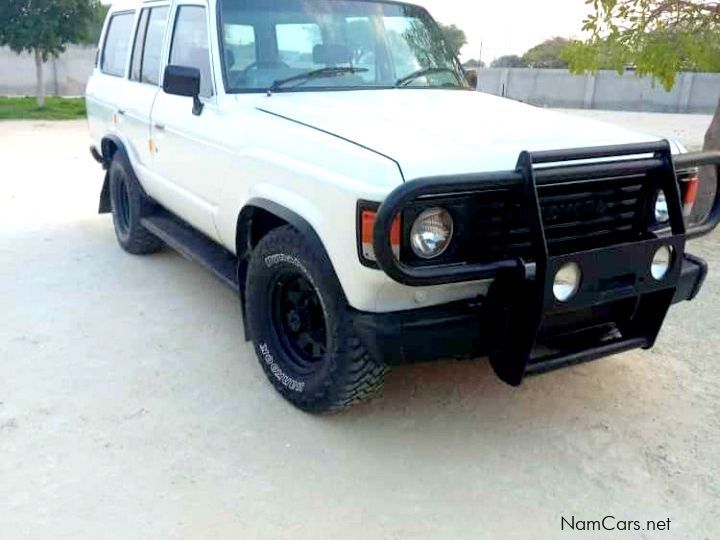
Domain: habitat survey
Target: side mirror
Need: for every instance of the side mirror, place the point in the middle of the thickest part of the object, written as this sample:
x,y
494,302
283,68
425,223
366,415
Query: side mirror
x,y
184,81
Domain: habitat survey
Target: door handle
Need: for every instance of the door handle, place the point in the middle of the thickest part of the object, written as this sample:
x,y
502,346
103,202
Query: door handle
x,y
121,112
160,127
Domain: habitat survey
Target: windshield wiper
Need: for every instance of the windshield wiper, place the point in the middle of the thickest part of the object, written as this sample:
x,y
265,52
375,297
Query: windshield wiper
x,y
421,73
317,74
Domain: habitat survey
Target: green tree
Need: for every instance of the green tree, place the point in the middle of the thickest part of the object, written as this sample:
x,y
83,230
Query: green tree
x,y
509,61
472,63
43,28
95,26
548,54
454,37
659,38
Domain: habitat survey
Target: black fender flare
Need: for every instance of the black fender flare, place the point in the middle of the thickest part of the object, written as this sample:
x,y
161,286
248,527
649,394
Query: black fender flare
x,y
244,237
109,146
112,146
281,212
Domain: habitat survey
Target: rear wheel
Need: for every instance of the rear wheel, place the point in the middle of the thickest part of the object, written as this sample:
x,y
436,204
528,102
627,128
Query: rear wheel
x,y
300,323
127,202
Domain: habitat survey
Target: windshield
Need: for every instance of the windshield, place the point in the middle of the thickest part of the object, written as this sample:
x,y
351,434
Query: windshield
x,y
390,44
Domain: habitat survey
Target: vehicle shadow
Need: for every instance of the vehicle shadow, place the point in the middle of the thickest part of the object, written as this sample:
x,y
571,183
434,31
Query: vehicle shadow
x,y
470,390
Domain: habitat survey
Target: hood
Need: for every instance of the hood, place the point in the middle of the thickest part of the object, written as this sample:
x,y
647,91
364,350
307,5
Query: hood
x,y
436,132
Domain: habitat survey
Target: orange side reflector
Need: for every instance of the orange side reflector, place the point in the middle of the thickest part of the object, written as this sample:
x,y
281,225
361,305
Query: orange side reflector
x,y
368,230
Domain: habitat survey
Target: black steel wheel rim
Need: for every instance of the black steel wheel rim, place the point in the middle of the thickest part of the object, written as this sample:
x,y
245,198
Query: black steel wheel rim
x,y
122,205
298,319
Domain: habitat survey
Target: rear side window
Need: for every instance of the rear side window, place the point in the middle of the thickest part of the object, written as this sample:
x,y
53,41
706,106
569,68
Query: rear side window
x,y
153,45
136,63
148,46
117,44
191,46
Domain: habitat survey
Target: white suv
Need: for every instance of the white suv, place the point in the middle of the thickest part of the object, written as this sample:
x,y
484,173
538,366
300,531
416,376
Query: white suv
x,y
327,159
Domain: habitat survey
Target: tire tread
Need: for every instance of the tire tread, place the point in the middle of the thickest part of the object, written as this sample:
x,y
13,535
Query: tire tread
x,y
355,376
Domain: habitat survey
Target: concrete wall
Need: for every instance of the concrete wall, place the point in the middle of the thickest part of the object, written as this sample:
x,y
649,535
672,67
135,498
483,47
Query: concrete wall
x,y
65,76
693,93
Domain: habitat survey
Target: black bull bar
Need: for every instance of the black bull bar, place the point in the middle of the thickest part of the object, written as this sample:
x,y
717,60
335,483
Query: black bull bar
x,y
521,311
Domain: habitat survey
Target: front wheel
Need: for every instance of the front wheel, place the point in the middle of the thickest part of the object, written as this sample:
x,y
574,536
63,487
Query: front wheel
x,y
300,323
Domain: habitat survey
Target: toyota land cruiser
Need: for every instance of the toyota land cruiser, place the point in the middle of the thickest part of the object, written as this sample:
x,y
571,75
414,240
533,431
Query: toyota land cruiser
x,y
328,161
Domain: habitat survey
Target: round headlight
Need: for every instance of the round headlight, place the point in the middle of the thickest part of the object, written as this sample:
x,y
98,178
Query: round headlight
x,y
567,282
662,214
661,263
431,233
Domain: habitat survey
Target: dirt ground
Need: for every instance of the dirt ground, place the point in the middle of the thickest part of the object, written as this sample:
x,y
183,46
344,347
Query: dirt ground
x,y
131,408
689,129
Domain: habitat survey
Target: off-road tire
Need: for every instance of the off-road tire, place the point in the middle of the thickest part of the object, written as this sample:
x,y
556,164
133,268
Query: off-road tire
x,y
128,202
346,374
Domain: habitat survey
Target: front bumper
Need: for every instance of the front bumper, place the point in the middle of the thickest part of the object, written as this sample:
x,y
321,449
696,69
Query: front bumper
x,y
468,329
520,325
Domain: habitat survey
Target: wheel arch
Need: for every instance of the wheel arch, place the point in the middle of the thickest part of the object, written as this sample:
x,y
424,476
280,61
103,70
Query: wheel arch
x,y
112,145
109,146
258,217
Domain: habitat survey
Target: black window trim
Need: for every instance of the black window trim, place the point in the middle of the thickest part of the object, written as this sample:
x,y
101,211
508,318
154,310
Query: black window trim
x,y
101,63
204,5
149,7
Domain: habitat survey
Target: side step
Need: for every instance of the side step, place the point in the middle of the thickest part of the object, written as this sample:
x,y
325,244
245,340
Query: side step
x,y
193,246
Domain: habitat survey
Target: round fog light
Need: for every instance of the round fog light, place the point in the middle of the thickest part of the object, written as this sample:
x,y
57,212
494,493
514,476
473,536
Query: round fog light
x,y
431,233
567,282
661,263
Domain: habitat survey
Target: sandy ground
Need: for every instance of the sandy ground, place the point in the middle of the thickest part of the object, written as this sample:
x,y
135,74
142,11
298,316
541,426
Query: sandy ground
x,y
131,408
689,129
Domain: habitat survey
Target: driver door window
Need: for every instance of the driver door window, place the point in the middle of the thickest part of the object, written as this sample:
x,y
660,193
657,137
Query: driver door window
x,y
191,45
190,162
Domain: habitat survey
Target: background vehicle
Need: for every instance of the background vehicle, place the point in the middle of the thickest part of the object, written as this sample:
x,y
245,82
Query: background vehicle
x,y
324,158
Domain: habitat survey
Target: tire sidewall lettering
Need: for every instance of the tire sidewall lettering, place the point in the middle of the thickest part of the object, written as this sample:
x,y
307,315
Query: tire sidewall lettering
x,y
271,261
287,381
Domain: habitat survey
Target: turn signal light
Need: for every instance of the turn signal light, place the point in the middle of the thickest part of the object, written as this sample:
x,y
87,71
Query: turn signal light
x,y
368,230
689,189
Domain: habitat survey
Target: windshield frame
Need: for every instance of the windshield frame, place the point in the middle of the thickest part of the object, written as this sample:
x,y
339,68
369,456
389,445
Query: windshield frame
x,y
425,14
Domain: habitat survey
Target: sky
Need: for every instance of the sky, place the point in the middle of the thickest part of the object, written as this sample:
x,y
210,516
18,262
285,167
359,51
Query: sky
x,y
503,27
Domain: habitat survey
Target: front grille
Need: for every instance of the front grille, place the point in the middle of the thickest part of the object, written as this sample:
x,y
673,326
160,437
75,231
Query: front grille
x,y
584,215
577,214
498,229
